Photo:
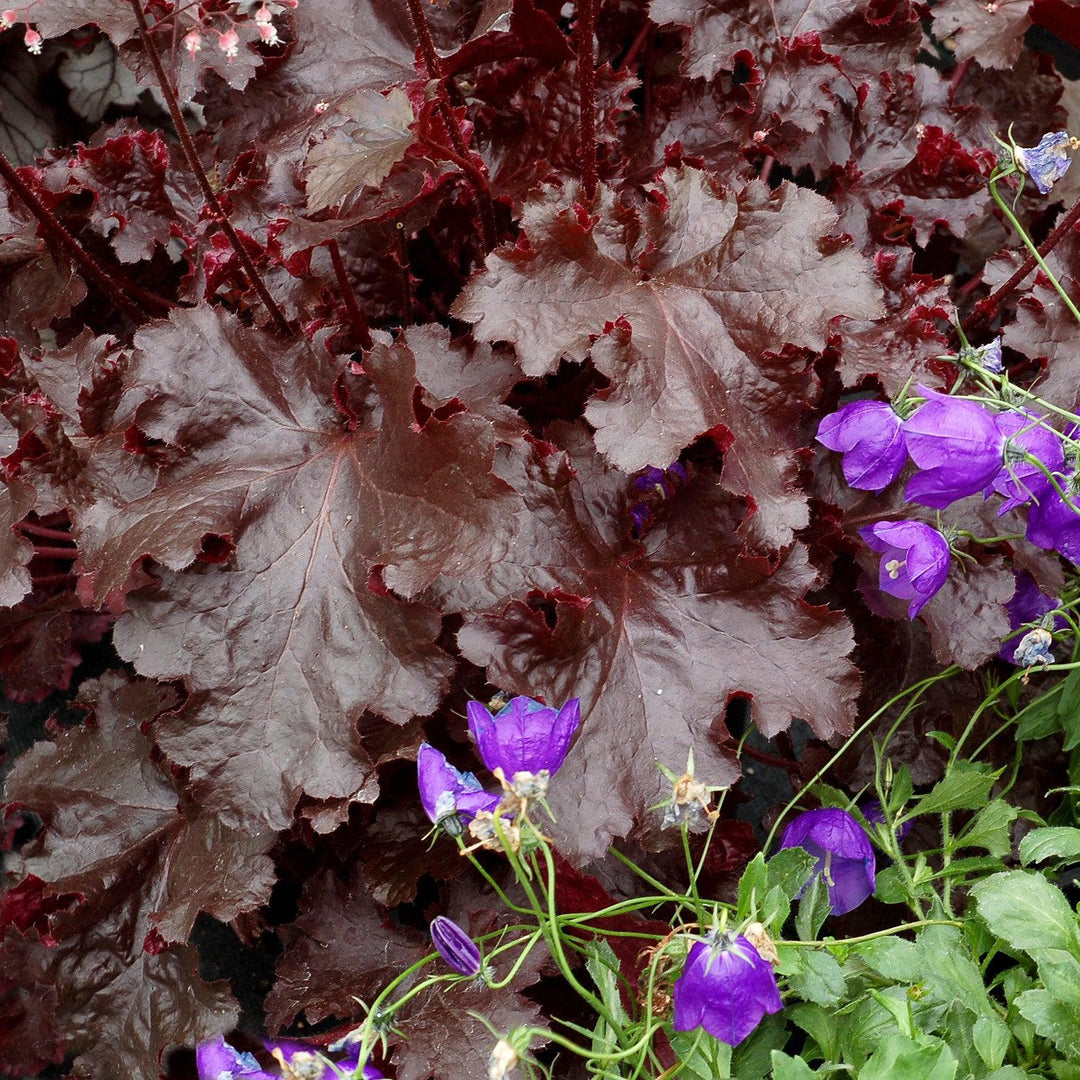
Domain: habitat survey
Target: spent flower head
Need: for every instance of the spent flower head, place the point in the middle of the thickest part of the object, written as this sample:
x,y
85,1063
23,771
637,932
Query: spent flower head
x,y
689,801
983,357
218,1060
726,987
914,560
1029,607
845,857
1047,162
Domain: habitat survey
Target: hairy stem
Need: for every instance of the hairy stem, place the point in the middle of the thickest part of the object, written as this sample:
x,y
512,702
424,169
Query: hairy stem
x,y
116,291
356,316
191,156
586,72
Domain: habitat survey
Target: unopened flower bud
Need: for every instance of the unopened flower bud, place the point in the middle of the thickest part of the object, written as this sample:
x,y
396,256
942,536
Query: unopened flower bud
x,y
455,946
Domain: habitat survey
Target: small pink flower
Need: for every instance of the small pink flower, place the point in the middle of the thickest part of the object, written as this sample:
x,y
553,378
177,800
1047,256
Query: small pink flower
x,y
229,43
32,41
8,18
193,42
268,33
263,16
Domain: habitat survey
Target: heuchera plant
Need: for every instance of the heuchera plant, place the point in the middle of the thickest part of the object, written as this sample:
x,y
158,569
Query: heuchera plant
x,y
361,360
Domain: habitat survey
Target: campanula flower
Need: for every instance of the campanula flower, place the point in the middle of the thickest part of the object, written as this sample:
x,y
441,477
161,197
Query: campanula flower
x,y
726,987
1029,604
1018,480
914,560
872,811
524,736
843,851
217,1060
1046,163
870,435
1034,648
455,946
1053,524
957,445
446,792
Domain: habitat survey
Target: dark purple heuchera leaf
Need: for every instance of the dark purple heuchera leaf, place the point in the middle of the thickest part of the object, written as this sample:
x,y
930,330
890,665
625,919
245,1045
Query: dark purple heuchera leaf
x,y
261,455
577,609
110,812
991,33
340,946
688,349
16,501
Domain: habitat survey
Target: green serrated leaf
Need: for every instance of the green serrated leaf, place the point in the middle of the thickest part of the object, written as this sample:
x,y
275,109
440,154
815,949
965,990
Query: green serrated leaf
x,y
890,887
892,957
960,789
813,909
991,1038
1068,709
603,967
902,788
752,1058
1060,841
789,1068
813,974
790,869
944,738
900,1058
1052,1019
1038,719
1026,911
830,796
990,829
753,886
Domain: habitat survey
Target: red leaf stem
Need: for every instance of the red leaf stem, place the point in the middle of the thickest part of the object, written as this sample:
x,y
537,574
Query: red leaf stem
x,y
586,71
32,528
49,552
192,158
359,323
446,114
986,309
115,290
773,760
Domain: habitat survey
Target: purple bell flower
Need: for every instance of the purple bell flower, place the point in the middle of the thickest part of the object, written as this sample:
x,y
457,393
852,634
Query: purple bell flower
x,y
872,811
871,437
1028,605
726,987
446,792
1053,524
914,563
455,946
843,851
957,445
524,736
1046,163
217,1060
1021,481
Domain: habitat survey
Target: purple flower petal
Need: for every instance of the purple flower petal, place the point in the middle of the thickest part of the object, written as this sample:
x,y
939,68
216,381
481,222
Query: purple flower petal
x,y
843,851
1021,481
445,791
1053,524
217,1059
1028,604
957,445
873,813
914,560
524,736
726,987
870,436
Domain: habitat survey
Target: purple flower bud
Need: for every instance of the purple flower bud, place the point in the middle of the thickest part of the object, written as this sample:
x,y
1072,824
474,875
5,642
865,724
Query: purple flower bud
x,y
1018,480
1028,604
873,813
455,946
726,987
914,560
957,445
524,736
217,1058
870,435
1046,163
446,792
843,851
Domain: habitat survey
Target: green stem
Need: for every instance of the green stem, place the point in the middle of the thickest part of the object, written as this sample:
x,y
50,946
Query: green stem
x,y
891,932
1039,260
699,911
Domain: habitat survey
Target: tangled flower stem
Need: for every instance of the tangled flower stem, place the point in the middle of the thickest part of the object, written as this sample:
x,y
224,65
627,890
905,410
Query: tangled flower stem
x,y
1030,245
